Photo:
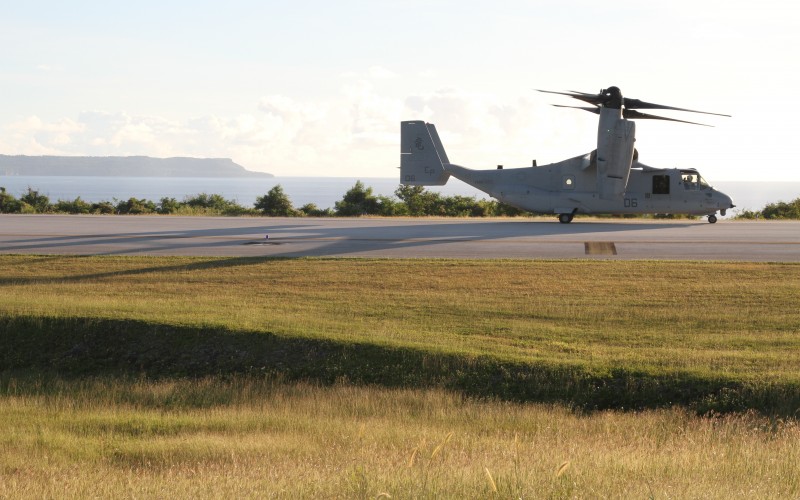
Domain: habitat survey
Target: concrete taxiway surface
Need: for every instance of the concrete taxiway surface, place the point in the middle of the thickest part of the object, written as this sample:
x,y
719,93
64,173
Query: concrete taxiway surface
x,y
399,237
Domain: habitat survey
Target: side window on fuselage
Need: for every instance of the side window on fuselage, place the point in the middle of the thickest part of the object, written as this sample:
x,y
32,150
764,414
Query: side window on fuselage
x,y
660,184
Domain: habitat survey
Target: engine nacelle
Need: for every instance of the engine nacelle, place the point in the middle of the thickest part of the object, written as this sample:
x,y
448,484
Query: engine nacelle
x,y
615,150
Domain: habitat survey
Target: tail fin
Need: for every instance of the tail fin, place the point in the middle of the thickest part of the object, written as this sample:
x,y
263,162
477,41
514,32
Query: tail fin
x,y
422,156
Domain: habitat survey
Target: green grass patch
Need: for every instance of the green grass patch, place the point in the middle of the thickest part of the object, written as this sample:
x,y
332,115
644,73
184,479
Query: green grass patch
x,y
592,334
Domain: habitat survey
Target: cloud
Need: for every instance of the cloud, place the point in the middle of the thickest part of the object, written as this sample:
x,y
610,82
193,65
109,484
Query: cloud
x,y
354,133
380,73
486,129
372,73
35,136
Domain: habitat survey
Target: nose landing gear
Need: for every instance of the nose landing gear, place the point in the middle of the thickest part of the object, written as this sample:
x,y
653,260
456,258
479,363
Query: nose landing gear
x,y
565,218
712,218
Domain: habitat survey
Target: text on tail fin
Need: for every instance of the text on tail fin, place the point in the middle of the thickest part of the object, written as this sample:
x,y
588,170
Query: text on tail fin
x,y
422,156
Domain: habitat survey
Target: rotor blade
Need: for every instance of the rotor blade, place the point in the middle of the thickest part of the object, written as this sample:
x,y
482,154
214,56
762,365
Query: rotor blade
x,y
594,110
630,104
637,104
590,98
571,94
635,115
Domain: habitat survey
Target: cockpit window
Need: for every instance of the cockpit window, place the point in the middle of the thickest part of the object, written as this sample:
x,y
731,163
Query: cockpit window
x,y
693,180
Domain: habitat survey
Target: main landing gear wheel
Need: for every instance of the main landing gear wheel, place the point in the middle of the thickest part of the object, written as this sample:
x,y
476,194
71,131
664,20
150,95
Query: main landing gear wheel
x,y
712,218
565,218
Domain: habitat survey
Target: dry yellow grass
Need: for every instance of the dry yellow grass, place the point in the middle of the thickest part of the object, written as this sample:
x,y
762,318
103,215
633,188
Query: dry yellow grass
x,y
130,439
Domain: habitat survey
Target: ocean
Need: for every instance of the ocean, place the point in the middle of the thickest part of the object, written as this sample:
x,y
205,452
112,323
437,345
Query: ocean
x,y
322,191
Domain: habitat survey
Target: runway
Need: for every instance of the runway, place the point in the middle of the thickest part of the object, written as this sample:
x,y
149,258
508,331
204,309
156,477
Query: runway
x,y
400,237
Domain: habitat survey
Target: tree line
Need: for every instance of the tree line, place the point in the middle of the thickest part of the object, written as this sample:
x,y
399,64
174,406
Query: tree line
x,y
778,210
358,200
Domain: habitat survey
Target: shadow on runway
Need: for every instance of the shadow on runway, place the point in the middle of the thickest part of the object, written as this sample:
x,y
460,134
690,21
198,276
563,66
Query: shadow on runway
x,y
319,237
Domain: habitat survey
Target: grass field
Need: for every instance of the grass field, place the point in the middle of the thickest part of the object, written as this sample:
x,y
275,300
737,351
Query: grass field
x,y
344,378
258,439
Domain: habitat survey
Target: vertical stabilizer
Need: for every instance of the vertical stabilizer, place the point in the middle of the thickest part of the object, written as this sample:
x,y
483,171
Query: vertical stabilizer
x,y
422,156
437,143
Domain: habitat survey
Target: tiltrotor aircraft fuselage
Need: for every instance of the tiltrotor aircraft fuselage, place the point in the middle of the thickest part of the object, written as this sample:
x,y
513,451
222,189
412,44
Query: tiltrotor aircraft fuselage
x,y
609,180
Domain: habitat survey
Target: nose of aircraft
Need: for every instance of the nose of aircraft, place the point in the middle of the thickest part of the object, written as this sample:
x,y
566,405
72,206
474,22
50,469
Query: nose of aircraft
x,y
724,202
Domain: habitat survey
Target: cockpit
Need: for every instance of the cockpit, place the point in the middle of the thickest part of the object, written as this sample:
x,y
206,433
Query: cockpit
x,y
692,180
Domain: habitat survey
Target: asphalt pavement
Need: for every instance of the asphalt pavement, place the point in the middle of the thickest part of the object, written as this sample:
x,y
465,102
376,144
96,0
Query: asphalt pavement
x,y
400,237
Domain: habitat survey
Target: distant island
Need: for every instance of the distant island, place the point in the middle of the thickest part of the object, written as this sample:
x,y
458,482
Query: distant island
x,y
123,166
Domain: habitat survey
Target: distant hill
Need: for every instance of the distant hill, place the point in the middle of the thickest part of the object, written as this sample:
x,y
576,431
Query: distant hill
x,y
123,166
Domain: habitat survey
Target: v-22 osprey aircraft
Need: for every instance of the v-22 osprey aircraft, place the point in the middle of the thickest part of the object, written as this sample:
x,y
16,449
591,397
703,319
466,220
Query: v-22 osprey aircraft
x,y
609,180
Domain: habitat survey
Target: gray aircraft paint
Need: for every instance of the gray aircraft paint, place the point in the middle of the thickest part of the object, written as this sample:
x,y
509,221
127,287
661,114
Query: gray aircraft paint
x,y
609,180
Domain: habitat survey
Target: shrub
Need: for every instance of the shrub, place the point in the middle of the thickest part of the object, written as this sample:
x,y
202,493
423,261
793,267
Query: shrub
x,y
204,200
359,200
779,210
782,210
420,202
39,202
26,209
214,204
168,206
136,206
464,206
388,207
103,207
417,201
234,209
76,206
276,203
8,203
311,210
501,209
748,214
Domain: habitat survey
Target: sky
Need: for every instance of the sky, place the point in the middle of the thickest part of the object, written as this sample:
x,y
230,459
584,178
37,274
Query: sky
x,y
318,88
